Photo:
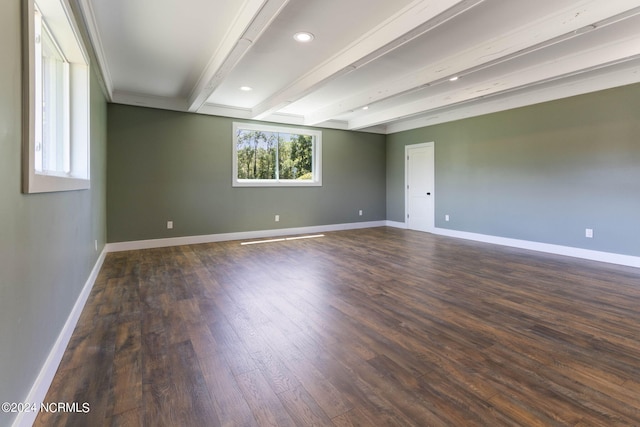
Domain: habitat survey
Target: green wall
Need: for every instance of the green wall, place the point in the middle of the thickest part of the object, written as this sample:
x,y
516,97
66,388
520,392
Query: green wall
x,y
46,240
165,165
542,173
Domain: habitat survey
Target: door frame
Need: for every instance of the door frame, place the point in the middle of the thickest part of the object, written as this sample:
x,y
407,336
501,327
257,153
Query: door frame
x,y
406,178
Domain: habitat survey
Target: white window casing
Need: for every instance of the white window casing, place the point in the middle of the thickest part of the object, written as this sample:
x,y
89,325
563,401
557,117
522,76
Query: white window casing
x,y
56,99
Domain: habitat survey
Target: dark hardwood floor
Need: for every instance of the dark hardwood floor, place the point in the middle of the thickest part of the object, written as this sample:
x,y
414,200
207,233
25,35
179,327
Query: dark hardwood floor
x,y
358,328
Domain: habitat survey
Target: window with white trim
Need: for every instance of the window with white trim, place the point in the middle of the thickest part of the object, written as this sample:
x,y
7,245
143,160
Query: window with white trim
x,y
56,115
272,156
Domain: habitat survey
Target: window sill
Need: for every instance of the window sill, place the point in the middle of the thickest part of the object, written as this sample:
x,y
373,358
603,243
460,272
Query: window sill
x,y
50,183
270,183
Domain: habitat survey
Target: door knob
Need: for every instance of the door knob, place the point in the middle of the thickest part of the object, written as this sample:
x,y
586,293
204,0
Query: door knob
x,y
428,194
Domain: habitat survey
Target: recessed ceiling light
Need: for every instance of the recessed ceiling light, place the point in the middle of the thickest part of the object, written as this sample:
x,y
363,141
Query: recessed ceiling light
x,y
246,88
303,37
454,78
366,107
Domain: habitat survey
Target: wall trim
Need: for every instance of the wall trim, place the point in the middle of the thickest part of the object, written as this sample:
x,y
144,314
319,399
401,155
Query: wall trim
x,y
41,385
396,224
242,235
610,257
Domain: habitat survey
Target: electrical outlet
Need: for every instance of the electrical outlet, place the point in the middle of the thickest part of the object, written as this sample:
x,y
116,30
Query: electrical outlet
x,y
446,217
588,233
360,212
277,218
169,225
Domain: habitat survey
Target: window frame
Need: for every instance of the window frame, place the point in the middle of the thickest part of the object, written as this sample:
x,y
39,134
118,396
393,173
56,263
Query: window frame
x,y
73,173
316,163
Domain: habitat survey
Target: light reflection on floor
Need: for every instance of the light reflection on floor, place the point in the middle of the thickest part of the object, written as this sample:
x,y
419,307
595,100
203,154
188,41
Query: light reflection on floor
x,y
283,239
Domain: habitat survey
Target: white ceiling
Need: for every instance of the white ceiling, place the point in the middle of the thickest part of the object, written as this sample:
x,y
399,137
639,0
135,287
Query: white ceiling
x,y
395,57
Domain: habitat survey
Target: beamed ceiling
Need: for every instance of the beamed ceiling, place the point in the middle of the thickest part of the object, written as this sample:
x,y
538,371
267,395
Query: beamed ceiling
x,y
373,65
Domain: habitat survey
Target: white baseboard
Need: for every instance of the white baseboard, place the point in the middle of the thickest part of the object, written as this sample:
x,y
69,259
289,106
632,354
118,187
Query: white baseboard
x,y
243,235
609,257
612,258
396,224
38,391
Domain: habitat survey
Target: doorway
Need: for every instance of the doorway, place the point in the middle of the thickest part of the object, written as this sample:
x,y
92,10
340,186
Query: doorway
x,y
420,186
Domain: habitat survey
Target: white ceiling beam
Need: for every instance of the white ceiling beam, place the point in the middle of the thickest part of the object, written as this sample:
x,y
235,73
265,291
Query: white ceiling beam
x,y
289,119
255,16
602,56
610,77
412,21
544,32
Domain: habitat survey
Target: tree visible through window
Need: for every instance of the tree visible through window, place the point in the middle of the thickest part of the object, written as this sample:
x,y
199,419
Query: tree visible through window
x,y
275,156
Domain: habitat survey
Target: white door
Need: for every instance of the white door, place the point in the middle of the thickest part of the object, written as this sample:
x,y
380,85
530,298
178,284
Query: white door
x,y
420,186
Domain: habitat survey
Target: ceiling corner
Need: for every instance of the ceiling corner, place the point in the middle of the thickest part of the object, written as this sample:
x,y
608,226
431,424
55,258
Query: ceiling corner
x,y
96,47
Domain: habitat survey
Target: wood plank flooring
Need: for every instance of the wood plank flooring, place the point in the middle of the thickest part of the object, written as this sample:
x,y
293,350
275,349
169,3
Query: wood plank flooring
x,y
375,327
